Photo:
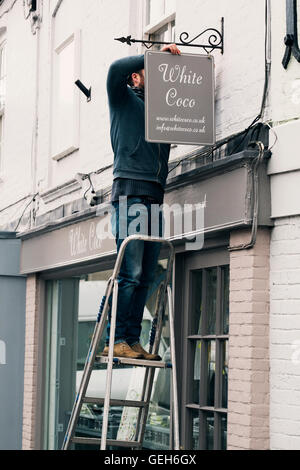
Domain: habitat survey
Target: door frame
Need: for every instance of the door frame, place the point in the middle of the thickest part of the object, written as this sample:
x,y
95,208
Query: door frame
x,y
216,255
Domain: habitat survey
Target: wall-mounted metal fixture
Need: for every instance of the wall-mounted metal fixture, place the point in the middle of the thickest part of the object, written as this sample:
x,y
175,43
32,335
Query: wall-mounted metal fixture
x,y
32,5
86,91
291,38
215,40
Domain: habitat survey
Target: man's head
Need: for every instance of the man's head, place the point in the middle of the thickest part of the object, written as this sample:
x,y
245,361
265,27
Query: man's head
x,y
137,79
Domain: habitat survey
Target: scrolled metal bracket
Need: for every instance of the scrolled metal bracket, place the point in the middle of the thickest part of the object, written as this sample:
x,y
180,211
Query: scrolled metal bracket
x,y
291,38
215,40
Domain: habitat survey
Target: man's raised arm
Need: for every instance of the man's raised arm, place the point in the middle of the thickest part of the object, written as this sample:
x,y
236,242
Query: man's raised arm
x,y
118,74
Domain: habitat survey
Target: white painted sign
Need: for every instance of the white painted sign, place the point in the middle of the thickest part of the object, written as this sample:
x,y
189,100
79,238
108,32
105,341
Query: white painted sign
x,y
179,98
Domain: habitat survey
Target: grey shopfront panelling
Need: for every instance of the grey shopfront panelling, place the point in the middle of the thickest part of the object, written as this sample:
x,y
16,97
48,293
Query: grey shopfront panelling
x,y
12,343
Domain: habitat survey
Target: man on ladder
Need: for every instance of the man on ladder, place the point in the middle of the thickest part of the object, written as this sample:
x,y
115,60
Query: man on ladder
x,y
140,173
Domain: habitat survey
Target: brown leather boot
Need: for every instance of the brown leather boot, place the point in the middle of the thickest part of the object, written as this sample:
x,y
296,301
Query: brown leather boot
x,y
149,357
123,350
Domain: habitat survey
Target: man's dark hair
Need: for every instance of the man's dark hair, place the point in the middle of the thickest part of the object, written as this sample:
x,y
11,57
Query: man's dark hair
x,y
129,78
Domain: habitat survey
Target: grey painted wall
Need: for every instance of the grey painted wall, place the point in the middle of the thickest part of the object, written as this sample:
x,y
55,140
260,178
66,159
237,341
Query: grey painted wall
x,y
12,344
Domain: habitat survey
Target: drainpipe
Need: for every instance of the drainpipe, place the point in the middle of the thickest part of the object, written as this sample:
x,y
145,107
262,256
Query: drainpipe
x,y
35,123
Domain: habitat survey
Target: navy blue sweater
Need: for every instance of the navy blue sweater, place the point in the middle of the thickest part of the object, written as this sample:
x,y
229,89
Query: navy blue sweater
x,y
134,158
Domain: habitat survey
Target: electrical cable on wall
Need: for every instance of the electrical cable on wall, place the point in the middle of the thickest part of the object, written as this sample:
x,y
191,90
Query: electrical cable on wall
x,y
23,213
209,151
9,9
256,165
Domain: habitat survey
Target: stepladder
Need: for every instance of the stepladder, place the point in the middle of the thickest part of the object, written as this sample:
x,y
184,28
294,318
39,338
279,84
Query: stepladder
x,y
108,308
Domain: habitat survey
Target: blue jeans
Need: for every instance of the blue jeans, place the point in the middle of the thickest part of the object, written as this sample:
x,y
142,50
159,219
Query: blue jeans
x,y
138,267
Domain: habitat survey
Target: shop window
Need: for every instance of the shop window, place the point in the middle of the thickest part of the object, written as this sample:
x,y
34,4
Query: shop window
x,y
207,354
72,307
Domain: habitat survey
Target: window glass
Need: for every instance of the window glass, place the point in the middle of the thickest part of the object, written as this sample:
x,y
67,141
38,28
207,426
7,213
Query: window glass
x,y
211,370
223,432
197,371
195,429
211,300
224,346
209,430
226,300
196,320
161,35
127,381
208,376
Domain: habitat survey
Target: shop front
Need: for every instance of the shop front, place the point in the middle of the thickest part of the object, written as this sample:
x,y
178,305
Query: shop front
x,y
68,264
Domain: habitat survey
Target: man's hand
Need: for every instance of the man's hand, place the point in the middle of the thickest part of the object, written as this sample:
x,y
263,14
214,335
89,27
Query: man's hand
x,y
171,48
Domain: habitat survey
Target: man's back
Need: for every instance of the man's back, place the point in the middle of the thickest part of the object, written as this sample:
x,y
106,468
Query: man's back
x,y
133,157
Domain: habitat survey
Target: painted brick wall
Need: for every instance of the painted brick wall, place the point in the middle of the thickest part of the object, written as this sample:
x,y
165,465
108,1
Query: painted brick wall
x,y
15,179
248,380
239,83
285,334
31,363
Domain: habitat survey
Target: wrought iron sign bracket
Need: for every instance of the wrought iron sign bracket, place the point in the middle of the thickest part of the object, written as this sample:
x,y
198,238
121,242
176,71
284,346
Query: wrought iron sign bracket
x,y
215,40
291,38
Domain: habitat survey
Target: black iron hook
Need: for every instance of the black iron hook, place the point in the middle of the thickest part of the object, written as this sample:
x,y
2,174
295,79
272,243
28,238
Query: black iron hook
x,y
291,38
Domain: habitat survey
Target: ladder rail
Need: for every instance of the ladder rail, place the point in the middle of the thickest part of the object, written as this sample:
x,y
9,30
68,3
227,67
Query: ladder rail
x,y
97,334
174,372
147,372
112,287
142,238
109,366
150,377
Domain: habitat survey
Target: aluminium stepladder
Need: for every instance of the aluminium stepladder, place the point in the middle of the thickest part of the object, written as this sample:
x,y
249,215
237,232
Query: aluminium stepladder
x,y
164,296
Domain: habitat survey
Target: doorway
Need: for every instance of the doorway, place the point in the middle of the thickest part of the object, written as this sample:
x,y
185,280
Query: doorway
x,y
205,327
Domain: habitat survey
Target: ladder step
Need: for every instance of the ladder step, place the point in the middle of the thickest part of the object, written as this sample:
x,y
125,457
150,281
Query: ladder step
x,y
135,362
109,442
114,402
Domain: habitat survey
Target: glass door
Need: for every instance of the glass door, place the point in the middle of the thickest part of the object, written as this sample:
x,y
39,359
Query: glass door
x,y
60,360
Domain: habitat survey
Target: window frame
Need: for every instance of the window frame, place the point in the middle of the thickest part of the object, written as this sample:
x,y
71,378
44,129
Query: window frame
x,y
194,264
152,28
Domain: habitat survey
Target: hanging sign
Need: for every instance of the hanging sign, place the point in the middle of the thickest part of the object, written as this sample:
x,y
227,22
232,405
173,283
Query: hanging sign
x,y
180,98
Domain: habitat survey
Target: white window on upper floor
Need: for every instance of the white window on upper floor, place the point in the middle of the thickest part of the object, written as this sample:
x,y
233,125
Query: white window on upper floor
x,y
2,74
66,97
160,21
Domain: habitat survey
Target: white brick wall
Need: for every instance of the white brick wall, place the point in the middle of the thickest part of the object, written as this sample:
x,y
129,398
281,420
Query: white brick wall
x,y
19,108
248,376
100,22
239,83
285,334
239,87
31,363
